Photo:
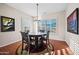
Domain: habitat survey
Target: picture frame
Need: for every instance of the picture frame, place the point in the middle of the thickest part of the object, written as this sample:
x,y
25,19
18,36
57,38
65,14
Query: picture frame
x,y
73,22
7,24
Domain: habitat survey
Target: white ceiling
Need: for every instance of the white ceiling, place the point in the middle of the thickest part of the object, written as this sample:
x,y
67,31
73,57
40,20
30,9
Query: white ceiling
x,y
31,8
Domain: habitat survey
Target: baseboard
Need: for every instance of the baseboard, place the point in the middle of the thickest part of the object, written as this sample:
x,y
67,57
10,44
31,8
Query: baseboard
x,y
9,43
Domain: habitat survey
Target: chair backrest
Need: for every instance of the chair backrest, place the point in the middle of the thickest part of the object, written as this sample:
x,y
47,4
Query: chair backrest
x,y
24,36
42,31
47,34
31,39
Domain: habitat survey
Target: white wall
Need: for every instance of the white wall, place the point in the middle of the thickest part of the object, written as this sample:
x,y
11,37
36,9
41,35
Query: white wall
x,y
14,36
27,22
60,17
71,39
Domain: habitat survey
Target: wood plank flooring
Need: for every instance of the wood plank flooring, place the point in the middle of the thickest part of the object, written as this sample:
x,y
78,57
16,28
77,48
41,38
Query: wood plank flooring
x,y
61,48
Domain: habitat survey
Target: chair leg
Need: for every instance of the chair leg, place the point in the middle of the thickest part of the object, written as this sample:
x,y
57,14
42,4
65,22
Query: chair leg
x,y
22,48
47,45
29,49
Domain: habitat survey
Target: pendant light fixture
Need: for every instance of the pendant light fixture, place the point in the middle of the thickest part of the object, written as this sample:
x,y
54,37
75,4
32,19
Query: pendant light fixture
x,y
37,10
36,17
36,21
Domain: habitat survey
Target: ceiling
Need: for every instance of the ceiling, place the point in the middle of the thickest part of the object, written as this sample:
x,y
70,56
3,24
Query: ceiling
x,y
43,8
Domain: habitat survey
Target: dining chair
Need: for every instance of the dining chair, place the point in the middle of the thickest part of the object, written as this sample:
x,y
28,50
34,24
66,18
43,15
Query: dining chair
x,y
35,42
45,39
32,39
25,41
42,31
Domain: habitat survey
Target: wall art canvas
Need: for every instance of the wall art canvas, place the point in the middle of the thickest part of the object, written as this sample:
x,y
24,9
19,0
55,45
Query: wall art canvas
x,y
7,24
73,22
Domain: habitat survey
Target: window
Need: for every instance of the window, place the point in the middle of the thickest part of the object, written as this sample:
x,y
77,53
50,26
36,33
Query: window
x,y
47,25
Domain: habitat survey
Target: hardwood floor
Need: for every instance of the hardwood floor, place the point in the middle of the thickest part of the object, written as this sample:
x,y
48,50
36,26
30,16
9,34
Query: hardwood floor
x,y
10,49
61,48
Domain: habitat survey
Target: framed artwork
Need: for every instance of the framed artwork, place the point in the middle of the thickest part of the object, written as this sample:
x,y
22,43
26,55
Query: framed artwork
x,y
73,22
7,24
